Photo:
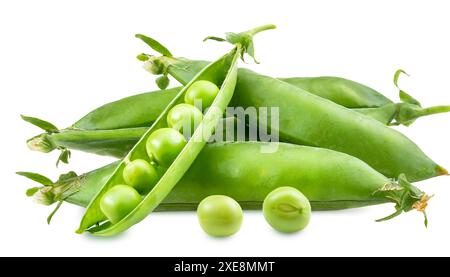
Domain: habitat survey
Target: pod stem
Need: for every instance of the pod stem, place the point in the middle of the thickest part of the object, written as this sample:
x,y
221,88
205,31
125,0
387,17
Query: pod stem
x,y
406,197
435,110
407,113
410,108
159,65
259,29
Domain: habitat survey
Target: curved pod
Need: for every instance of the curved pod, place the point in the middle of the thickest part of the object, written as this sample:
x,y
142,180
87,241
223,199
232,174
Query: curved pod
x,y
224,72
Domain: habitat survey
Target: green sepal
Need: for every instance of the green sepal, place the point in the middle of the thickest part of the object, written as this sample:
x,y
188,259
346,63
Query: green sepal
x,y
36,177
397,76
66,176
245,39
155,45
64,156
142,57
405,196
32,191
50,216
162,81
214,38
404,96
397,212
44,125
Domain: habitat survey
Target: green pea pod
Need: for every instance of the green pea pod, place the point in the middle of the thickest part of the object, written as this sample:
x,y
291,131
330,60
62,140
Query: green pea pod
x,y
331,180
307,119
223,72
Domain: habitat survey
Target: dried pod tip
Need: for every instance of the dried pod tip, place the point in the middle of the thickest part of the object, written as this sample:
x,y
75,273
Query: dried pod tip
x,y
442,171
422,204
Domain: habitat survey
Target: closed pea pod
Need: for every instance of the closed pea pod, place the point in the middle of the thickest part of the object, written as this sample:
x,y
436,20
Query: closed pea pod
x,y
117,142
331,126
117,133
330,180
139,111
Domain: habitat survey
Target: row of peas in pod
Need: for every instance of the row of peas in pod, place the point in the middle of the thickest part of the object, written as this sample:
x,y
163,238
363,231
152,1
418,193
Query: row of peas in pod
x,y
163,146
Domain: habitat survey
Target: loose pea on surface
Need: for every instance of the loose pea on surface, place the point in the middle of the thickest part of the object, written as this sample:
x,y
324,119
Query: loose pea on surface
x,y
204,91
141,175
219,215
287,210
184,118
164,145
119,201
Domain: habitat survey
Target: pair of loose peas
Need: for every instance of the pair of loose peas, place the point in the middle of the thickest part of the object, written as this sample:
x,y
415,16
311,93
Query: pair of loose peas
x,y
285,209
163,146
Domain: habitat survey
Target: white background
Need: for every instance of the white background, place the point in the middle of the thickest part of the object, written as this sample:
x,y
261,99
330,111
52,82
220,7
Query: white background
x,y
60,59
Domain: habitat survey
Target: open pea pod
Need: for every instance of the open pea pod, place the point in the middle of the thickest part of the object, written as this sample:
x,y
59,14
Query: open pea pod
x,y
223,73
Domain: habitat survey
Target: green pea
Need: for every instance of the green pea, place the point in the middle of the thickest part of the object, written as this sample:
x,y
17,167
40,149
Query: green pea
x,y
164,145
287,210
219,215
204,91
141,175
119,201
184,118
